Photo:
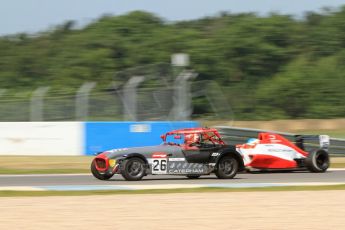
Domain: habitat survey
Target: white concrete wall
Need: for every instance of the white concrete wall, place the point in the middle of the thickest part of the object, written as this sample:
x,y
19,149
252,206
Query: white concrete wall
x,y
41,138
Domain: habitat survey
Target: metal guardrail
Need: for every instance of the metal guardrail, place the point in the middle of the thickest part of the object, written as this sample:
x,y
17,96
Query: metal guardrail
x,y
232,135
337,146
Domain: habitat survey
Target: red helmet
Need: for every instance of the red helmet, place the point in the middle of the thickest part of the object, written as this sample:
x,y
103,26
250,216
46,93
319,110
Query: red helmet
x,y
191,138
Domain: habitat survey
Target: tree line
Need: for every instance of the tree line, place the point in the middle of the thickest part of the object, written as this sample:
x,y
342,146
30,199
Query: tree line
x,y
270,67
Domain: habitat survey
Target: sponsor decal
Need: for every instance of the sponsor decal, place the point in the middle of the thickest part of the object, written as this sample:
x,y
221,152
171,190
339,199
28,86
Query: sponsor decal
x,y
117,150
159,163
186,171
140,128
159,166
215,154
159,155
177,159
187,168
185,165
281,150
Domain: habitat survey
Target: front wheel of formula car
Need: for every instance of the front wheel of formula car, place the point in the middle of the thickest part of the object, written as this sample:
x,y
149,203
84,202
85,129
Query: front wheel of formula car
x,y
193,176
227,167
99,175
133,169
317,161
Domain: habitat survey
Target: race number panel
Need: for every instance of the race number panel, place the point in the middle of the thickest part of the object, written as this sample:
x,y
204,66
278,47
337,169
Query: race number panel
x,y
159,166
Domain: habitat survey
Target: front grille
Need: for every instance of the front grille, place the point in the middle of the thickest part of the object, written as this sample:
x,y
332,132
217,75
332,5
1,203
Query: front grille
x,y
101,163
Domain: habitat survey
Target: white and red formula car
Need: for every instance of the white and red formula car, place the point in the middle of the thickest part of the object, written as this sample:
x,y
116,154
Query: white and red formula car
x,y
274,152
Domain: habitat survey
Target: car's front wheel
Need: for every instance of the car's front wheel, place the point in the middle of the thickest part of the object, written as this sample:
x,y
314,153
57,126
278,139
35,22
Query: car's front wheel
x,y
227,167
99,175
133,168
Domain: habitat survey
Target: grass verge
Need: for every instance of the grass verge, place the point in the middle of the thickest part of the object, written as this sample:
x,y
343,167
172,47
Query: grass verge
x,y
44,164
5,171
337,162
332,133
167,191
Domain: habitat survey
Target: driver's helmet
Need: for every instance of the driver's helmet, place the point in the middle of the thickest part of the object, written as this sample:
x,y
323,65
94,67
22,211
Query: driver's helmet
x,y
252,141
191,138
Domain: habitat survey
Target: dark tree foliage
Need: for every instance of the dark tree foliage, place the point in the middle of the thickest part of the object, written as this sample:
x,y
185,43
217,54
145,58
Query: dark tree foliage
x,y
270,67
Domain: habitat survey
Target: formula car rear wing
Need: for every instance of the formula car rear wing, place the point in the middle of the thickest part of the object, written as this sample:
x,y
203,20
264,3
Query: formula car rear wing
x,y
323,140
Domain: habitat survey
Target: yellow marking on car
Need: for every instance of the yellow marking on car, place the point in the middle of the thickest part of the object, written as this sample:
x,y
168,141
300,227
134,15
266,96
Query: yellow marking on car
x,y
112,162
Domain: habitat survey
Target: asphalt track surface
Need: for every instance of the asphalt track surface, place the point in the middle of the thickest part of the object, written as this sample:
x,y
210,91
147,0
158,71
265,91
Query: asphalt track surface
x,y
336,176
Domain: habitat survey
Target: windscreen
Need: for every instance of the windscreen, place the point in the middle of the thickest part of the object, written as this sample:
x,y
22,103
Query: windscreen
x,y
175,139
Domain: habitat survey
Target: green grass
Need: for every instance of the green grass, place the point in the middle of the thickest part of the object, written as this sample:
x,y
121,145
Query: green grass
x,y
44,164
4,171
338,165
337,162
331,133
167,191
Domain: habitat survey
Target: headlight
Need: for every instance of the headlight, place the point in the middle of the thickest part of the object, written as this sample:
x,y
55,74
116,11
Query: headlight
x,y
112,162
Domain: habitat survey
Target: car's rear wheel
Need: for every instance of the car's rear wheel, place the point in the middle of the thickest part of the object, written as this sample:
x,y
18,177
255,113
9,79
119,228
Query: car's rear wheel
x,y
133,169
227,167
99,175
317,161
193,176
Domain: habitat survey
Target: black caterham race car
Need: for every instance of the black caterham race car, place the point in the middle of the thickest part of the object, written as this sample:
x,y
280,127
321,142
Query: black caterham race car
x,y
201,151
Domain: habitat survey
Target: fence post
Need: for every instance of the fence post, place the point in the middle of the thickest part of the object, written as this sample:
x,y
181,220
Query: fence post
x,y
82,101
129,99
182,109
37,103
216,98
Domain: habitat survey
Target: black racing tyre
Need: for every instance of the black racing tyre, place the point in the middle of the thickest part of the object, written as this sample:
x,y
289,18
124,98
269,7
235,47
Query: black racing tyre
x,y
99,175
193,176
227,167
133,169
317,161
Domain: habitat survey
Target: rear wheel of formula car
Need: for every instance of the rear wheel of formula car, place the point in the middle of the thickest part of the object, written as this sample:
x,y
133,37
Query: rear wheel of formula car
x,y
317,161
193,176
133,169
227,167
99,175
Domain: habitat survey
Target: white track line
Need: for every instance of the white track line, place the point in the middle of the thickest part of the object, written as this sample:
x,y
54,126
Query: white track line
x,y
166,186
21,188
